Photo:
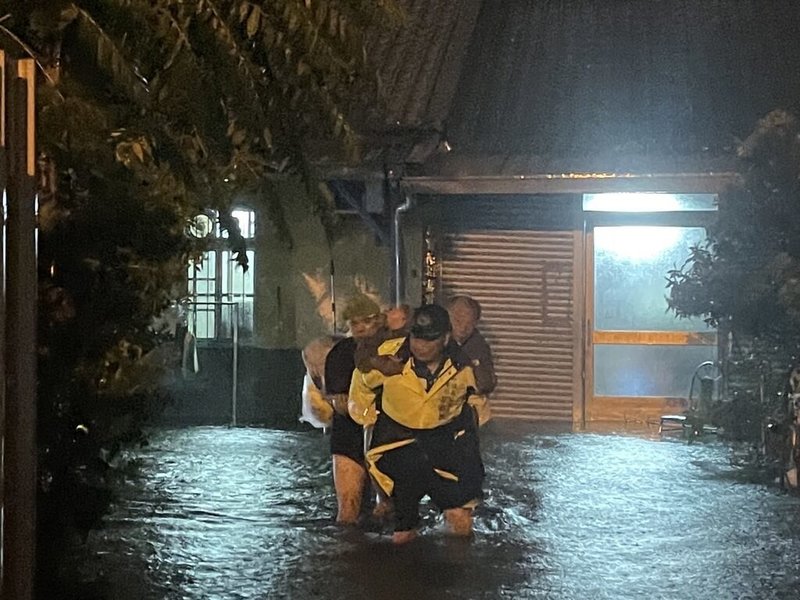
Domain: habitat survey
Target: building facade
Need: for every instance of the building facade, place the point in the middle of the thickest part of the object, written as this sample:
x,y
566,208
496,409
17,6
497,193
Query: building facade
x,y
556,158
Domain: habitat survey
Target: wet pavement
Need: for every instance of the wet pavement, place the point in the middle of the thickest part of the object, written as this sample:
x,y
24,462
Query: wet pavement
x,y
244,513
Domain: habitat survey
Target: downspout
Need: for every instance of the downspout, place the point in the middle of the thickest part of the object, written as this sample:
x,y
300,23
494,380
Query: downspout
x,y
398,280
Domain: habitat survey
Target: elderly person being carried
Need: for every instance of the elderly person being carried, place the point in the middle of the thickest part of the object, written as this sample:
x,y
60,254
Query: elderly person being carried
x,y
465,312
425,440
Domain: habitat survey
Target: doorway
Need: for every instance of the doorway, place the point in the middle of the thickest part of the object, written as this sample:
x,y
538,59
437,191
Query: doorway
x,y
640,356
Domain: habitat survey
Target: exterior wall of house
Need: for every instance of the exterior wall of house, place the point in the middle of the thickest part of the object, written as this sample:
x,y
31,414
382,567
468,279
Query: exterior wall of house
x,y
292,282
521,258
412,256
292,306
573,301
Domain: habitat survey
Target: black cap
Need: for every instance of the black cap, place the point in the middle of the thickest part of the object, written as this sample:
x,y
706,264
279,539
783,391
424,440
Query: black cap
x,y
430,322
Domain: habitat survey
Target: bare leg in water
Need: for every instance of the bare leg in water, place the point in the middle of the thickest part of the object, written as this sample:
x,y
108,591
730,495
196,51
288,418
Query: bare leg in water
x,y
384,509
459,521
349,478
404,537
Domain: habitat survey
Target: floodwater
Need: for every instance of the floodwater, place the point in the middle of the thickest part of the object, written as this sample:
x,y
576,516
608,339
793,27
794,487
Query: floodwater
x,y
243,513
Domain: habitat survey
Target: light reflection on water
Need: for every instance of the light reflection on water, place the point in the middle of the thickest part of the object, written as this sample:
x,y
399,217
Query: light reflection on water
x,y
247,513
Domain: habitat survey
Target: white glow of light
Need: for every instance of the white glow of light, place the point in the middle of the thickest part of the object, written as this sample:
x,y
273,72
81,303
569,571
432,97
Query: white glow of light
x,y
636,243
631,202
245,219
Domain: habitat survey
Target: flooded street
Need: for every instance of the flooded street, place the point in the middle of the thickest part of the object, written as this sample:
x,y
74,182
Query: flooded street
x,y
247,513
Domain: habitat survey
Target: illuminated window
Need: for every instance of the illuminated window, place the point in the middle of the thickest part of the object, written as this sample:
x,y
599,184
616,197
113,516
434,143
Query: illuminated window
x,y
247,223
222,293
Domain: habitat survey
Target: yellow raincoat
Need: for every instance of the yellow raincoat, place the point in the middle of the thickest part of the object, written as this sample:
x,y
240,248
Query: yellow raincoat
x,y
406,402
364,387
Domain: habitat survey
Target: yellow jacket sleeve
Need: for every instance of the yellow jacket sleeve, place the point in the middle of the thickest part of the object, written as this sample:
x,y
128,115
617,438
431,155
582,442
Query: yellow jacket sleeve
x,y
364,386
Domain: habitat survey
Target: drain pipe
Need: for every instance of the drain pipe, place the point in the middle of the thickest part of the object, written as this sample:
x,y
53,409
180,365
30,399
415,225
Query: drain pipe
x,y
398,280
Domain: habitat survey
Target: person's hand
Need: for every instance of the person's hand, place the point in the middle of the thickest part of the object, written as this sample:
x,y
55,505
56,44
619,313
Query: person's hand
x,y
339,403
388,365
396,318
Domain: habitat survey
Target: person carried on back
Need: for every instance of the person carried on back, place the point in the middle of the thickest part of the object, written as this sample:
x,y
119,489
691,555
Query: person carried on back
x,y
465,312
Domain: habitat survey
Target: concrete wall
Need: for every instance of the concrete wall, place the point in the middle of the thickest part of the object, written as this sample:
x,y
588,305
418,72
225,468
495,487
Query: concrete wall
x,y
292,284
268,389
292,307
413,253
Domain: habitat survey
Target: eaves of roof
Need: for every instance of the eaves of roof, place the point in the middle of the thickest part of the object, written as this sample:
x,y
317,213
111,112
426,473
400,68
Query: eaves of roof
x,y
522,174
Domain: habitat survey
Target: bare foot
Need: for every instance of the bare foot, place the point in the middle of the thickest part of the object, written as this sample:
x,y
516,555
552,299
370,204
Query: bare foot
x,y
404,537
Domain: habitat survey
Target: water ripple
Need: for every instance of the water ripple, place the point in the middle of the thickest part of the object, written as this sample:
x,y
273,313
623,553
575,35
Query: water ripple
x,y
247,514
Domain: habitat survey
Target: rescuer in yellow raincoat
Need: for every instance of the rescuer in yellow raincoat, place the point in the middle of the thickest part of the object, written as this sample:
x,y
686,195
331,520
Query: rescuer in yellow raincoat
x,y
425,439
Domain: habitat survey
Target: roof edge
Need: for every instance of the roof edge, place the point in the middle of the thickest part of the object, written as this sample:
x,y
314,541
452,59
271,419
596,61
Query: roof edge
x,y
573,183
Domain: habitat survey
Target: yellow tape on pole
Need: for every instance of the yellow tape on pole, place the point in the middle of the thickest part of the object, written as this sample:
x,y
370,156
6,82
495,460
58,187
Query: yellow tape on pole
x,y
2,98
26,70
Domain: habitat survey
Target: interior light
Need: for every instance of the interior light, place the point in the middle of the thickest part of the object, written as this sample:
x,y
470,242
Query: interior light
x,y
636,243
631,202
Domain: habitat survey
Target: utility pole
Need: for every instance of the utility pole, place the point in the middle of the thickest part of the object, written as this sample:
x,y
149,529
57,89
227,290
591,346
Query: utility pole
x,y
19,349
3,183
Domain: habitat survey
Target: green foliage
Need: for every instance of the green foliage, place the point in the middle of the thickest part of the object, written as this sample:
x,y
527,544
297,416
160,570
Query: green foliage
x,y
227,92
745,279
151,112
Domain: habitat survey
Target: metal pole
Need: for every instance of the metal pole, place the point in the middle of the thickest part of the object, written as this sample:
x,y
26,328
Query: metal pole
x,y
333,297
398,279
235,308
19,549
3,185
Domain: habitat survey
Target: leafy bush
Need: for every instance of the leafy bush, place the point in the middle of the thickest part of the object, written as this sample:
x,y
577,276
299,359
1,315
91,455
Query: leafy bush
x,y
150,113
745,279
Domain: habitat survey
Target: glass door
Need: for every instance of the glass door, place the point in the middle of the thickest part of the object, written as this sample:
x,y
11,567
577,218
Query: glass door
x,y
640,356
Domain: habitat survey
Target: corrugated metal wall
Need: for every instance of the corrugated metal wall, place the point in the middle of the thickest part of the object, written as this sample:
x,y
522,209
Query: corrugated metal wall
x,y
520,257
524,276
524,282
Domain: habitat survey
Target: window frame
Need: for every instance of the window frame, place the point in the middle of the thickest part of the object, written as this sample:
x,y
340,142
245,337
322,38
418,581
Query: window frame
x,y
217,302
